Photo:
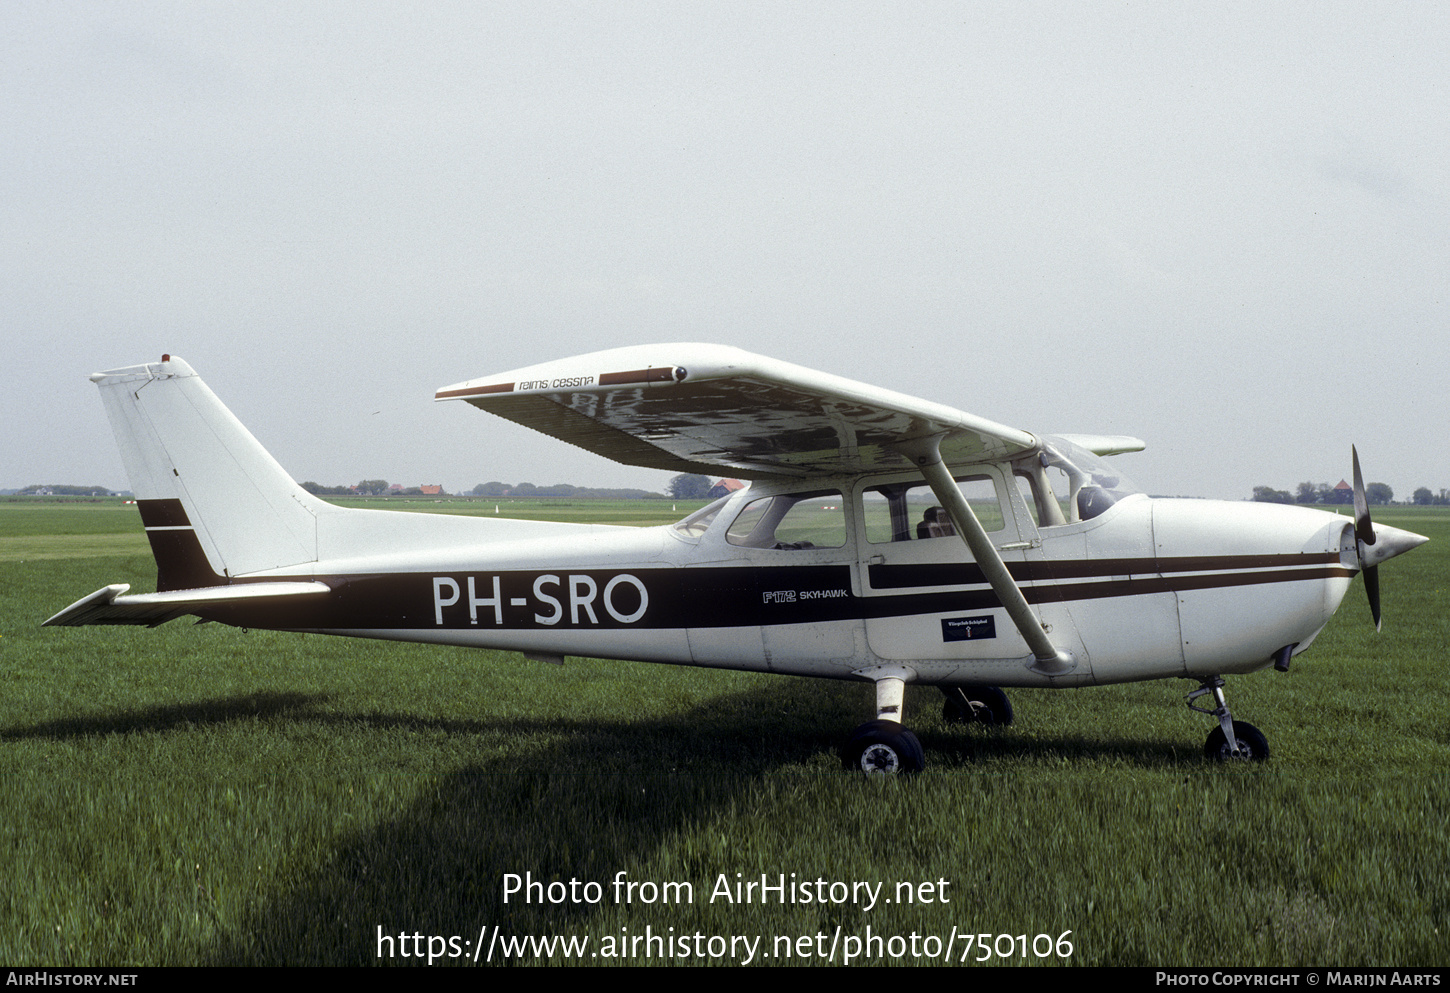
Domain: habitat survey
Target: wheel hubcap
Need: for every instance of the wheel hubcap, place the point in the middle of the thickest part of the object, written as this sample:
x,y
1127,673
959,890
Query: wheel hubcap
x,y
880,758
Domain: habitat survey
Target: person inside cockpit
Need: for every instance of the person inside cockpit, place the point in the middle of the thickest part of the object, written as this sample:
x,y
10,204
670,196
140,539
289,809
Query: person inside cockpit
x,y
935,523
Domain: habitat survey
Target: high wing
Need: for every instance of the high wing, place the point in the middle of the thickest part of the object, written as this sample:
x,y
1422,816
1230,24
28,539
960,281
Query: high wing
x,y
704,408
1105,444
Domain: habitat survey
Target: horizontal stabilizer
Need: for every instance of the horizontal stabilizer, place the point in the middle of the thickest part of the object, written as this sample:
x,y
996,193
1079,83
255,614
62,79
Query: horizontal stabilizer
x,y
108,605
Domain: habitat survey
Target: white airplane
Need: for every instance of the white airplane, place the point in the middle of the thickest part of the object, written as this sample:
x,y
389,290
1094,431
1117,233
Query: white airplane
x,y
883,538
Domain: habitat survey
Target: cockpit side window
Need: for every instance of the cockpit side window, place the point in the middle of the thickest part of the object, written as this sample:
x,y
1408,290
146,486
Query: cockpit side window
x,y
791,521
910,511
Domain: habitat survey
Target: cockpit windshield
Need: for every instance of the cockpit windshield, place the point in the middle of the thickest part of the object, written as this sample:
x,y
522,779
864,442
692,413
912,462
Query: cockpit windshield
x,y
1093,485
699,522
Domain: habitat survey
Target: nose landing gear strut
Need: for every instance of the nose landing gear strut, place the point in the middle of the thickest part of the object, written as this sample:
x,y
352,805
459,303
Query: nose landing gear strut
x,y
1231,739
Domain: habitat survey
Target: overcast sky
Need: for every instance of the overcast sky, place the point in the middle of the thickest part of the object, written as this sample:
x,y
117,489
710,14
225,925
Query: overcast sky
x,y
1224,228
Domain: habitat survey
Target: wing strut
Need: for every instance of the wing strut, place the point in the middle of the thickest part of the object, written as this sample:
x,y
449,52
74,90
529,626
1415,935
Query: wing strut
x,y
926,453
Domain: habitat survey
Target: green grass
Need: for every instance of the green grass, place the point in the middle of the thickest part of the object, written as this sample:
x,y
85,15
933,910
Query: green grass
x,y
204,795
22,517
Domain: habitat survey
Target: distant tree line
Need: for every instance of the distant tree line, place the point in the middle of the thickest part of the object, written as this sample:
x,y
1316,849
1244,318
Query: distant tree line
x,y
365,487
317,489
56,490
381,487
497,489
1323,493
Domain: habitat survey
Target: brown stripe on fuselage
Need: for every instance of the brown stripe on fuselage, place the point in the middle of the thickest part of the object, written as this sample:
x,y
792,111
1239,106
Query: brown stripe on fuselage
x,y
983,599
895,577
705,597
1176,584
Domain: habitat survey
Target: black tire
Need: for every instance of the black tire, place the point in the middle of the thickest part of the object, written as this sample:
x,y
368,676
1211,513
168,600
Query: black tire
x,y
976,705
1253,746
883,747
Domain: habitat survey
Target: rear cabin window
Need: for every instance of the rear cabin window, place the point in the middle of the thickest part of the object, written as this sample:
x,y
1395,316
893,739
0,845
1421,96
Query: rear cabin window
x,y
910,511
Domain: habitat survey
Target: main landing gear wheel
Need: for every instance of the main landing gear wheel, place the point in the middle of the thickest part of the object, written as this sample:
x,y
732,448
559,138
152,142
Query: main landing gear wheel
x,y
1253,746
976,705
883,747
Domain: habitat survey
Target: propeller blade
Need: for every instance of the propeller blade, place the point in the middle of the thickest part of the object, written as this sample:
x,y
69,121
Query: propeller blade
x,y
1372,588
1363,526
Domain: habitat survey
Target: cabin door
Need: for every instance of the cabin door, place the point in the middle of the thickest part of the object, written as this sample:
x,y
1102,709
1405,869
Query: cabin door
x,y
925,596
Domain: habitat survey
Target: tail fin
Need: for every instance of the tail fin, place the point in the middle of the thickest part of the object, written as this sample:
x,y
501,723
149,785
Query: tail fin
x,y
214,503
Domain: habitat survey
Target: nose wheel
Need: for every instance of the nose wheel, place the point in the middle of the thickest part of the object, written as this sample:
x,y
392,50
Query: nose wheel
x,y
1251,743
1232,739
976,705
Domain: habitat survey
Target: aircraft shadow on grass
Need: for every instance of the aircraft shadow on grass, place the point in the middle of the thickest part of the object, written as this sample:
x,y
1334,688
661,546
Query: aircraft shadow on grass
x,y
595,797
598,797
744,729
170,717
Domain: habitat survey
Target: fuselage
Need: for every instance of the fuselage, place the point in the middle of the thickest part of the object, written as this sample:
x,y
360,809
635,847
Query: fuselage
x,y
834,578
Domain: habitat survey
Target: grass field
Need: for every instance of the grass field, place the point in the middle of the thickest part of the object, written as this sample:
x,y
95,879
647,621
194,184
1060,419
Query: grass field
x,y
205,795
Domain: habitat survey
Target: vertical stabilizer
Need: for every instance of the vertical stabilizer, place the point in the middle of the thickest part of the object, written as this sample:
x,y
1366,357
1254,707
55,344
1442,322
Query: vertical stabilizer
x,y
215,504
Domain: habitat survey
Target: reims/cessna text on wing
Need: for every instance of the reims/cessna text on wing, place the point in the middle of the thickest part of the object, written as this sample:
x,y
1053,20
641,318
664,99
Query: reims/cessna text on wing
x,y
883,538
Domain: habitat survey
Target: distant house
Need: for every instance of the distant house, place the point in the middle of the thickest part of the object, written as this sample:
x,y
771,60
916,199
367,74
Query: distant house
x,y
724,487
431,490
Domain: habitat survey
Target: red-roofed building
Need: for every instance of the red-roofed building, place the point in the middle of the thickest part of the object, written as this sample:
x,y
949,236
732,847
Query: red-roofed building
x,y
724,487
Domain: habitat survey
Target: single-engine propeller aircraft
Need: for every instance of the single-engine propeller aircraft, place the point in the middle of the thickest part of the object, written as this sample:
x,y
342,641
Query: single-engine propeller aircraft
x,y
883,538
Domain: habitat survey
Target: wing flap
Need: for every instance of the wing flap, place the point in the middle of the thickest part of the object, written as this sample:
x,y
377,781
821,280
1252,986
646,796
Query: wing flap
x,y
108,605
704,408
